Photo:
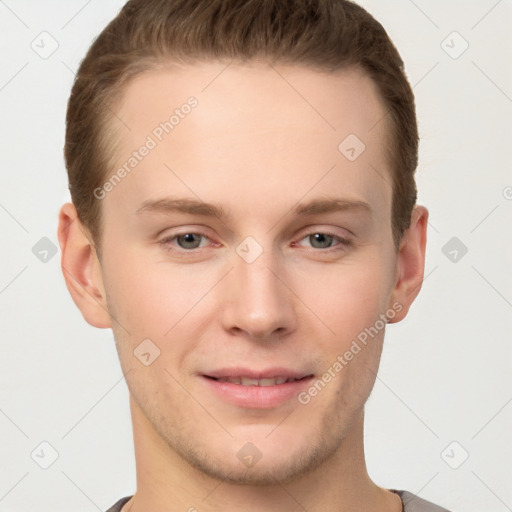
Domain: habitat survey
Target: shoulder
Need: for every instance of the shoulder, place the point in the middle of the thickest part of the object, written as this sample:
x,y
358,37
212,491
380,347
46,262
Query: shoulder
x,y
413,503
118,505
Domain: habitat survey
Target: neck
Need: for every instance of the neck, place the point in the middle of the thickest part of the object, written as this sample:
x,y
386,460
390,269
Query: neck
x,y
168,483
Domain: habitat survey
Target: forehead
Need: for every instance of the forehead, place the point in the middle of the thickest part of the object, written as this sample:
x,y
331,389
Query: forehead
x,y
275,97
254,129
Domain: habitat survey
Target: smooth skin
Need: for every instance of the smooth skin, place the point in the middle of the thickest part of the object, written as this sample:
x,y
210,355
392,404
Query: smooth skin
x,y
261,140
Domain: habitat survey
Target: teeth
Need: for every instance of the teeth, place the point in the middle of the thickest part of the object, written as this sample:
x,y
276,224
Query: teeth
x,y
247,381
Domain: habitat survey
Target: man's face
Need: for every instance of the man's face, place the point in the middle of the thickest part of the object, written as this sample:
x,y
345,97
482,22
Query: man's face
x,y
264,290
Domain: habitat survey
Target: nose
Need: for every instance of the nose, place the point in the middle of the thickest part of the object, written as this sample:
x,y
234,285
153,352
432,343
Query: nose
x,y
257,299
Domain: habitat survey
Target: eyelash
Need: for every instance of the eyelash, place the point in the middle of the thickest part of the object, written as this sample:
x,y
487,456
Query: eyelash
x,y
343,242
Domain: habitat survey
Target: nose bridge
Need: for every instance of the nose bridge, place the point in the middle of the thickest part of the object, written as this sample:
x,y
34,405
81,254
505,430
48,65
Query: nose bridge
x,y
257,300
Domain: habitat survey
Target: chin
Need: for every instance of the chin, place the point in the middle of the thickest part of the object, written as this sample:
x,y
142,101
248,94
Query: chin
x,y
263,473
262,461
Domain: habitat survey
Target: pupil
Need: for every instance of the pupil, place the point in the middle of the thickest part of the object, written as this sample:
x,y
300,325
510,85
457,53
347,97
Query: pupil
x,y
188,240
320,237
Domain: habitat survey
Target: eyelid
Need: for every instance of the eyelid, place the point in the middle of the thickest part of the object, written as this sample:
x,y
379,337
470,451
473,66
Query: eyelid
x,y
326,230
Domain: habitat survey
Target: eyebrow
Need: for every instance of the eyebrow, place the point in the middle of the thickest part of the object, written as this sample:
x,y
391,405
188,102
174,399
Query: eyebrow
x,y
196,207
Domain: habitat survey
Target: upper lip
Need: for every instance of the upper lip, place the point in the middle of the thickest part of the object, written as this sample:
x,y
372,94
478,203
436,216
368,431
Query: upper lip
x,y
267,373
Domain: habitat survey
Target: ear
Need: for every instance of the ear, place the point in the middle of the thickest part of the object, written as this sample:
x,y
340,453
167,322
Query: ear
x,y
81,268
410,265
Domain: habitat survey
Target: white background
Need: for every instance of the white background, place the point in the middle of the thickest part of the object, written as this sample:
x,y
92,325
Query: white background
x,y
445,373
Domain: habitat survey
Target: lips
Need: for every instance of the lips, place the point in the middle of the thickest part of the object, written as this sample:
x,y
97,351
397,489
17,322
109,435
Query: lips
x,y
248,381
257,389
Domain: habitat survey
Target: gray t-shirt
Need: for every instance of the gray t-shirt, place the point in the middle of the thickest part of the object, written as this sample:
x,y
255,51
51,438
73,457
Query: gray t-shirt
x,y
411,503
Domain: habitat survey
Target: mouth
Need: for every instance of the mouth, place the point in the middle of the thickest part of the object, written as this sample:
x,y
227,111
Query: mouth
x,y
249,381
250,389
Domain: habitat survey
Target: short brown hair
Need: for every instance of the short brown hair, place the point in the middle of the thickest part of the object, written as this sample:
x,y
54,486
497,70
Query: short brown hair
x,y
326,35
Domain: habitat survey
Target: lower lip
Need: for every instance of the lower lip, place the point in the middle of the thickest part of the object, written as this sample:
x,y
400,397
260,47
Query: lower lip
x,y
257,397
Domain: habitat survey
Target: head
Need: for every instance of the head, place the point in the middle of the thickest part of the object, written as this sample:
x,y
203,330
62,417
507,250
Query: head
x,y
269,223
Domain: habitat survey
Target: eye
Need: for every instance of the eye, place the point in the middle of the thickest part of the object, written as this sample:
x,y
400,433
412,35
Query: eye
x,y
190,241
186,241
321,240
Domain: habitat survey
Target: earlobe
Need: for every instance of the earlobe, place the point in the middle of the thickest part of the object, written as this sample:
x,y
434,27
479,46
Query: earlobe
x,y
410,263
81,268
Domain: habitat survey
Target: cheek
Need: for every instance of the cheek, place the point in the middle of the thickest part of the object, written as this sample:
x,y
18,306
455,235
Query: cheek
x,y
150,298
347,298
